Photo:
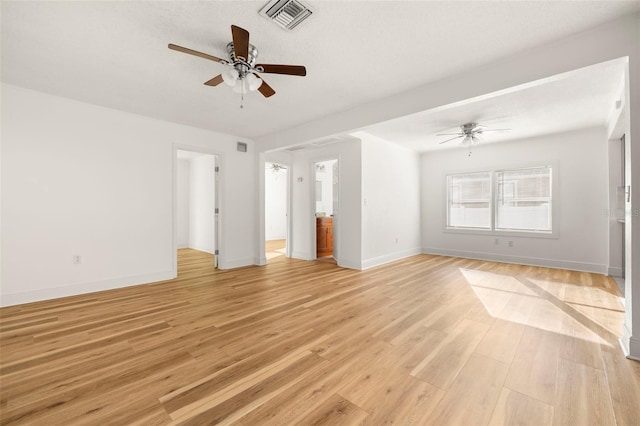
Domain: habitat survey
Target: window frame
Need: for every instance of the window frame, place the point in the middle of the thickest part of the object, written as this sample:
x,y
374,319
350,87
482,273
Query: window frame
x,y
491,204
493,171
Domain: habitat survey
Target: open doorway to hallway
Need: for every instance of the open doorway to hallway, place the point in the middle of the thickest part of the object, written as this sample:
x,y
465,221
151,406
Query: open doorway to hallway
x,y
326,209
276,184
197,203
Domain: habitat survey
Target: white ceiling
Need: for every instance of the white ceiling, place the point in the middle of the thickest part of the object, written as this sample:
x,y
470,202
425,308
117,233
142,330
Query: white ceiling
x,y
115,54
579,99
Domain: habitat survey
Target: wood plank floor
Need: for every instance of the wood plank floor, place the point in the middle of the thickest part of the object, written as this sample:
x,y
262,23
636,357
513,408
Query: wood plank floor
x,y
425,340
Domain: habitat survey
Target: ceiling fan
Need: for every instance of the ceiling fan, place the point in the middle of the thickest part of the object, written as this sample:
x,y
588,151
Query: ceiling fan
x,y
470,132
241,70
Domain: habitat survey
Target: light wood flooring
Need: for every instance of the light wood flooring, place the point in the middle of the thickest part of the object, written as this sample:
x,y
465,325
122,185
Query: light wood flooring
x,y
425,340
275,250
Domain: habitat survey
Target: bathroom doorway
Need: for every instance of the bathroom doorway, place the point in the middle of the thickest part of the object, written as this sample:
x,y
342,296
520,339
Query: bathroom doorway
x,y
326,196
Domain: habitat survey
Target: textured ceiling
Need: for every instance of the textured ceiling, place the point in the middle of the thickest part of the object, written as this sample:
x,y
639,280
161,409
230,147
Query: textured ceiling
x,y
115,53
579,99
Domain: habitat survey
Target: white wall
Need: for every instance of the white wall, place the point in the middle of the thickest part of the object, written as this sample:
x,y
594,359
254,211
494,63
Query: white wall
x,y
202,203
581,202
275,184
347,223
616,39
182,213
79,179
391,201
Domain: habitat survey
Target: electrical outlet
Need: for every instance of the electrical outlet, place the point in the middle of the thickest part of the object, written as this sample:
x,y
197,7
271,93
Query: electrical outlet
x,y
510,243
77,259
397,239
496,241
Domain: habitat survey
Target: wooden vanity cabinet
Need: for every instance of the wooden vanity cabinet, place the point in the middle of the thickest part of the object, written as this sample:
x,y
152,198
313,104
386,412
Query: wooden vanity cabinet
x,y
324,236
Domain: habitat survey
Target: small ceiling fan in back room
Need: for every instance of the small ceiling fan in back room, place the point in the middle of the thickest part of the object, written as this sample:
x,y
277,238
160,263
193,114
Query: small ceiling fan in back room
x,y
470,132
241,70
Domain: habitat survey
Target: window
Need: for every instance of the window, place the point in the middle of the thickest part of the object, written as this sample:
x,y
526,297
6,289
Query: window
x,y
517,200
523,199
469,200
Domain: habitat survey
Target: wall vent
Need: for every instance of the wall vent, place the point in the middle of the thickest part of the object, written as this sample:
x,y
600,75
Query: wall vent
x,y
286,13
241,147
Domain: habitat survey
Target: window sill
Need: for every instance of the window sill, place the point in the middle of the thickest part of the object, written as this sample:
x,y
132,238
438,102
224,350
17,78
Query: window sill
x,y
501,233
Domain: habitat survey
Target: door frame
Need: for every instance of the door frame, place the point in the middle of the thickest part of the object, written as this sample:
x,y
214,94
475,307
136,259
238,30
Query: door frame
x,y
261,258
220,244
312,205
288,227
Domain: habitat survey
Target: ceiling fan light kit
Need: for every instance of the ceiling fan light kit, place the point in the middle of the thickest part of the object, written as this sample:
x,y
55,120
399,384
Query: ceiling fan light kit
x,y
470,132
241,71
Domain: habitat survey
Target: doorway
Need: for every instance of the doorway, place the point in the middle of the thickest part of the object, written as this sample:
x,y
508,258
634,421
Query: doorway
x,y
326,209
276,197
197,212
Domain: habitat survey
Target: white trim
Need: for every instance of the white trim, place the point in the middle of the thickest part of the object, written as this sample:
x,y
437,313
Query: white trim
x,y
312,210
531,261
236,263
555,208
220,246
301,256
391,257
630,345
615,271
349,264
83,288
502,233
262,200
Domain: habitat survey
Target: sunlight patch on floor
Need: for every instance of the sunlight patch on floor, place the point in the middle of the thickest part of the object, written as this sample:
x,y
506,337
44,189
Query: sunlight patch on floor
x,y
588,313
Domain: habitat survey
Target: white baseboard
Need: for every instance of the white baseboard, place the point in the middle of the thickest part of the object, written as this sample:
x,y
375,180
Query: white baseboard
x,y
532,261
391,257
630,345
301,255
260,261
235,263
615,271
203,250
346,263
84,288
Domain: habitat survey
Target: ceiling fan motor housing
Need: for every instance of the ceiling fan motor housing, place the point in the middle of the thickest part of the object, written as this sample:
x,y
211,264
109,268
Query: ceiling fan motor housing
x,y
467,128
251,60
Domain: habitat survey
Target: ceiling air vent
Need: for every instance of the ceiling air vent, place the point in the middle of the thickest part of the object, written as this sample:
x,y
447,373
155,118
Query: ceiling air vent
x,y
296,148
325,141
286,13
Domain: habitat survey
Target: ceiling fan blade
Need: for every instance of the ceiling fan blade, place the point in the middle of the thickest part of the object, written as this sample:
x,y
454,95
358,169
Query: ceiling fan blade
x,y
214,81
266,90
284,69
448,140
450,134
495,130
240,42
195,53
